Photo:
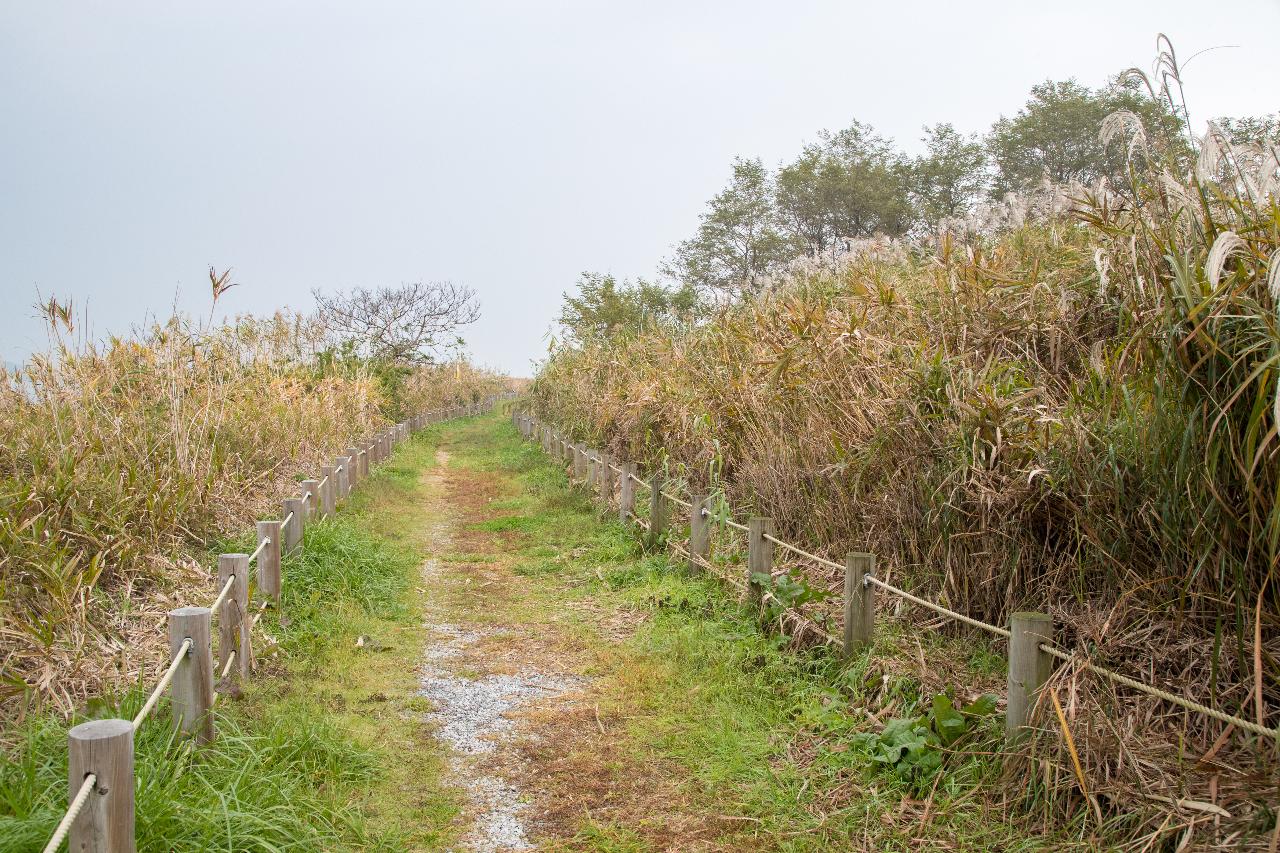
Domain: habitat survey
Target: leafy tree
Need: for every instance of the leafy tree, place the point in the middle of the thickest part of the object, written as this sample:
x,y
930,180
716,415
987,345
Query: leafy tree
x,y
851,184
603,306
739,241
950,177
1055,134
870,190
1259,130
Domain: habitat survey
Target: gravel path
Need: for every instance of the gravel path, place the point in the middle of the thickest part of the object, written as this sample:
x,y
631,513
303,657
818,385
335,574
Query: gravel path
x,y
474,717
476,714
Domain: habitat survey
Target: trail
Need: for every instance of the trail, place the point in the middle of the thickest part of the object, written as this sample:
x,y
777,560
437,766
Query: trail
x,y
483,678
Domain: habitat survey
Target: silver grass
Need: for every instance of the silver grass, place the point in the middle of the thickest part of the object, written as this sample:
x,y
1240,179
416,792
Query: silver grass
x,y
1124,124
1227,244
1210,154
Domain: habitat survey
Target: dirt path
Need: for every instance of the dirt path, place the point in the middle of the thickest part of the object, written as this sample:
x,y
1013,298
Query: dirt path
x,y
489,671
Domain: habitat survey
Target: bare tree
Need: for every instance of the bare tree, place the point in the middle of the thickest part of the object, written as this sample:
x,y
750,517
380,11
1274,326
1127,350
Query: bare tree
x,y
406,323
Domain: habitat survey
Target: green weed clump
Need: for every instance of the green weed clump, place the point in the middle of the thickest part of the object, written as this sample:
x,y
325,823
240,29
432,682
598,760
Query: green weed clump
x,y
1078,414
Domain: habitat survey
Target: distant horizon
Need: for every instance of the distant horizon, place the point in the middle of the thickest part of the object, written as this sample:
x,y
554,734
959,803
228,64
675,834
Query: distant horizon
x,y
505,146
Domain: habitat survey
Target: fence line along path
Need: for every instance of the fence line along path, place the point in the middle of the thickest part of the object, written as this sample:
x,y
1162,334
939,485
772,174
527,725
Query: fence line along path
x,y
1031,650
100,810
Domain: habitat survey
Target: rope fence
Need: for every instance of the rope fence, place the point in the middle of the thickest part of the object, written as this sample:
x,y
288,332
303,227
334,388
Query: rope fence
x,y
73,811
1029,635
100,749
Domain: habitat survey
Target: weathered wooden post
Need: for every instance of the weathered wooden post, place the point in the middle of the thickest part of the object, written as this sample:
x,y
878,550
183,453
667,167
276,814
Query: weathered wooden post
x,y
105,749
191,691
606,480
699,530
329,477
627,494
579,462
269,534
233,624
363,459
1029,668
657,509
593,468
759,554
342,467
295,512
859,602
353,472
311,494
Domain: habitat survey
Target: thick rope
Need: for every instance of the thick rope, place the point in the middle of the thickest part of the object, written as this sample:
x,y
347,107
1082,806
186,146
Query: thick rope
x,y
677,500
288,518
938,608
803,553
222,596
266,540
1141,687
73,811
231,658
164,683
257,616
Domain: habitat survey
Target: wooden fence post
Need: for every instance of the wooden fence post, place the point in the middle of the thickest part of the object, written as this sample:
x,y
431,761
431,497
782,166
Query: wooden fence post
x,y
353,471
269,559
627,494
329,477
1029,668
606,480
191,692
657,509
859,602
699,530
233,624
363,467
759,554
342,465
579,462
105,749
291,531
311,494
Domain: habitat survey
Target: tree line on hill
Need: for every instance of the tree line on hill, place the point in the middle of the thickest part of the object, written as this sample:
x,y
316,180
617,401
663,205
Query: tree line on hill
x,y
855,184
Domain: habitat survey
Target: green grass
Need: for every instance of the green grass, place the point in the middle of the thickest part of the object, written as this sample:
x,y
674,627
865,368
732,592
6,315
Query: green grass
x,y
773,738
290,770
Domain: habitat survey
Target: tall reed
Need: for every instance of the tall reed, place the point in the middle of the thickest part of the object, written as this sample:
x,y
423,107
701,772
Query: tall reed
x,y
1076,413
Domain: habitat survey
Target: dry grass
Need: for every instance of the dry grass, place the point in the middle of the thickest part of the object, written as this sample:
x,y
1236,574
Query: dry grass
x,y
121,463
1077,414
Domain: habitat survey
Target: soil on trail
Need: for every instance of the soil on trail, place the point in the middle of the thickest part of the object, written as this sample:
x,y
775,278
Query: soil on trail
x,y
499,675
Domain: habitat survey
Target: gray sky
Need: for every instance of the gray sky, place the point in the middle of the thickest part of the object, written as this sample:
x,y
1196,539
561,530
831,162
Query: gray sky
x,y
505,145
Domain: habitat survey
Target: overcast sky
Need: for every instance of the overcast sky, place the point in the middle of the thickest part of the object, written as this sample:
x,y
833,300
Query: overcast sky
x,y
507,146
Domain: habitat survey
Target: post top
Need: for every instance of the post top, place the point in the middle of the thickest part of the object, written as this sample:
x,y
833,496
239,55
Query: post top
x,y
1030,616
191,611
268,522
100,730
230,557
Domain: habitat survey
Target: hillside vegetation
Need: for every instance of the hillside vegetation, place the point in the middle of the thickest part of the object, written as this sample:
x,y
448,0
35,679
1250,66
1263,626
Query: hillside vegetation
x,y
122,463
1064,400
